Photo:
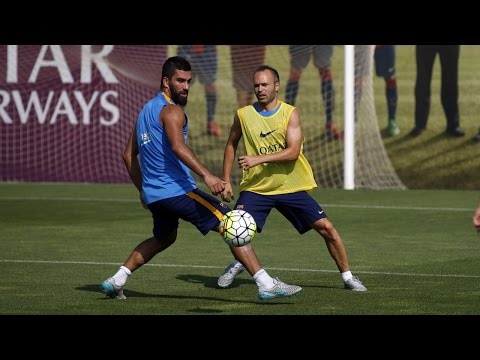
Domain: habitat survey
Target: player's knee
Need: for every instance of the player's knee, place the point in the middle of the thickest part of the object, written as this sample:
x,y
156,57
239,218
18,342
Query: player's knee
x,y
326,74
167,241
391,82
295,75
324,226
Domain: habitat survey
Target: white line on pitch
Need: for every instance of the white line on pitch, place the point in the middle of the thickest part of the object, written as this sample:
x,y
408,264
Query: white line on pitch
x,y
221,267
419,208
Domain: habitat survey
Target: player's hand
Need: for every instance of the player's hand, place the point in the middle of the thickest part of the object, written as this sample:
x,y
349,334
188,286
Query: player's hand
x,y
227,193
246,162
214,183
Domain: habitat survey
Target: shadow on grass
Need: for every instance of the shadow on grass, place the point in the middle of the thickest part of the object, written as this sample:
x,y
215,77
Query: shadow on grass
x,y
136,294
211,282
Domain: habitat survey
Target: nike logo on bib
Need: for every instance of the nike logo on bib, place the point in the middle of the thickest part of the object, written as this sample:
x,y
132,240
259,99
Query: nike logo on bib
x,y
266,134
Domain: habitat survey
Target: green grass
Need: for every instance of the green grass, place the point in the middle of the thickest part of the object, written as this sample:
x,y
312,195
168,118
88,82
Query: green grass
x,y
416,251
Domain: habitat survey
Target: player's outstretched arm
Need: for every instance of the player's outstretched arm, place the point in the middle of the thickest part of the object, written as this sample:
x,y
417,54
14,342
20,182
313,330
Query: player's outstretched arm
x,y
173,119
229,157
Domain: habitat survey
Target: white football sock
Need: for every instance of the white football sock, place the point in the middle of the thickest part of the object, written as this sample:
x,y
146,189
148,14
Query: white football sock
x,y
347,275
121,276
263,280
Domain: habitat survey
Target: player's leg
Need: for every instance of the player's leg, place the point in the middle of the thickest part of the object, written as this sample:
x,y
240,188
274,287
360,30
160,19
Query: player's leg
x,y
141,255
245,59
337,251
392,100
202,210
391,93
165,233
362,60
328,92
385,67
211,97
268,288
425,58
259,211
299,57
302,210
449,55
147,249
322,59
208,77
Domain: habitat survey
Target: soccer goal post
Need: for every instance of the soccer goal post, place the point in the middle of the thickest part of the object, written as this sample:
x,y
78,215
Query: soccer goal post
x,y
366,162
349,150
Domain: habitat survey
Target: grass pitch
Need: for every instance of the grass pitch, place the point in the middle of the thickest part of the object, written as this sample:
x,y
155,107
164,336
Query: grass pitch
x,y
416,251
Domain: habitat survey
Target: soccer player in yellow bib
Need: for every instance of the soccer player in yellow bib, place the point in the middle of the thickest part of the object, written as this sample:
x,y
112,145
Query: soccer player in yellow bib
x,y
276,174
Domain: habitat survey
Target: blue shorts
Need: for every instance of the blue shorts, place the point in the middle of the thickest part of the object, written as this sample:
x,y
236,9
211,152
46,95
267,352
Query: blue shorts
x,y
385,60
197,207
299,208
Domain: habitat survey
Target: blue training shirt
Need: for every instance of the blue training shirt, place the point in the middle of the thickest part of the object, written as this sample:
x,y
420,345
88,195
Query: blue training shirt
x,y
163,174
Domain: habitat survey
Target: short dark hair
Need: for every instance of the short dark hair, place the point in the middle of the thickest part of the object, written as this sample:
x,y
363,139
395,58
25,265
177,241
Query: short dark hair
x,y
175,63
276,77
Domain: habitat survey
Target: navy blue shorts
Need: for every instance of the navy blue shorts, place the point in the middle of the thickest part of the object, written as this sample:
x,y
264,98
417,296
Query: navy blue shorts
x,y
385,60
299,208
197,207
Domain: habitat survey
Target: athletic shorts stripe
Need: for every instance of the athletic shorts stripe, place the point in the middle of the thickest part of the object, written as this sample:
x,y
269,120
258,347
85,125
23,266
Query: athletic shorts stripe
x,y
197,207
205,203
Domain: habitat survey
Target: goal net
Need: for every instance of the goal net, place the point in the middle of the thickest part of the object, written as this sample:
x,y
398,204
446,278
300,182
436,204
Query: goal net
x,y
66,111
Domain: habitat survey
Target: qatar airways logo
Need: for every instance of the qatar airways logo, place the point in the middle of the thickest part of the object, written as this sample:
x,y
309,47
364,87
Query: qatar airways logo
x,y
270,149
49,102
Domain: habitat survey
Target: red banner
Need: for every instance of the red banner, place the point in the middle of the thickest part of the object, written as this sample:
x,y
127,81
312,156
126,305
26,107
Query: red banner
x,y
66,110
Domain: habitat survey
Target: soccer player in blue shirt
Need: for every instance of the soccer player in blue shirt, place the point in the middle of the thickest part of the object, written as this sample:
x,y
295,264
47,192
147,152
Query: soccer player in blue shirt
x,y
167,188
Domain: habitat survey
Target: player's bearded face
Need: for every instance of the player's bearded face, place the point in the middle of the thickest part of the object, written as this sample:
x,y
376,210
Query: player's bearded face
x,y
179,85
178,94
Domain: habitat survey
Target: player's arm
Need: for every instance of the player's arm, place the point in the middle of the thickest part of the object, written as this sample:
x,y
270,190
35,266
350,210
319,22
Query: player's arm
x,y
229,157
294,139
130,158
173,119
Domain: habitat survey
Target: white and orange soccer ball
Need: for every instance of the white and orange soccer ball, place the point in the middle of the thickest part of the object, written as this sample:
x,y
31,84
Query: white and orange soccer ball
x,y
238,228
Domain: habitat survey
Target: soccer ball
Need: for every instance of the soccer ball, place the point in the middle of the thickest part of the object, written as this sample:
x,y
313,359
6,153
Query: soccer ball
x,y
238,228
